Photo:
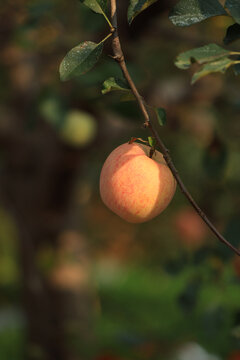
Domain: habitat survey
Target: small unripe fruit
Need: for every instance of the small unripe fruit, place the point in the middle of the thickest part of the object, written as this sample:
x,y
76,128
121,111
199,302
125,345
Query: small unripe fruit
x,y
135,186
79,128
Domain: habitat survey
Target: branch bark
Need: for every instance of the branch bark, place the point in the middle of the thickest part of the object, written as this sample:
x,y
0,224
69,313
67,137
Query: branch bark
x,y
119,57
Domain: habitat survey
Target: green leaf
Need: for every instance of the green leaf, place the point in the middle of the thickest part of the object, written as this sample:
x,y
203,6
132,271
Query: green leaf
x,y
151,141
115,84
220,65
233,34
80,60
201,55
188,12
98,6
234,8
161,115
136,7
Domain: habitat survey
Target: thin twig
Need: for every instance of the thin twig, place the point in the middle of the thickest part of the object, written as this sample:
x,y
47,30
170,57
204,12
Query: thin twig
x,y
119,57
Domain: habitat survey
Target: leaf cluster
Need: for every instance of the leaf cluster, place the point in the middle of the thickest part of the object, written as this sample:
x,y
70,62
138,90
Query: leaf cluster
x,y
212,57
85,55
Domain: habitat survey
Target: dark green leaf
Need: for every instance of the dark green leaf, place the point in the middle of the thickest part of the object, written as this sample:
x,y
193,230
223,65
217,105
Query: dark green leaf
x,y
220,65
151,141
161,116
233,34
80,59
137,6
201,55
188,12
234,8
98,6
115,84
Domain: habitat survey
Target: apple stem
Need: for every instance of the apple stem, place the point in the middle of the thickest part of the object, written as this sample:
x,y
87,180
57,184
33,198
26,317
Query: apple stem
x,y
119,57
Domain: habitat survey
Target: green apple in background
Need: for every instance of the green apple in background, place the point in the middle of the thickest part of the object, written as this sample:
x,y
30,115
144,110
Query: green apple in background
x,y
79,128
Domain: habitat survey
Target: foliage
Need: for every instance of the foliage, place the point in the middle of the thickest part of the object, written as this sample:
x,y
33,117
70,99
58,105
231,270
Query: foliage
x,y
98,6
188,12
115,84
136,7
80,59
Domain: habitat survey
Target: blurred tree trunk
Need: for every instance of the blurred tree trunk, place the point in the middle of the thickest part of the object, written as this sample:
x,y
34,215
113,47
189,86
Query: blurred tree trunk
x,y
37,181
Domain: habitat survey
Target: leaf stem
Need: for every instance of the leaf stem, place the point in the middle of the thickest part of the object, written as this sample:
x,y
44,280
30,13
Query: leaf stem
x,y
107,20
119,57
103,40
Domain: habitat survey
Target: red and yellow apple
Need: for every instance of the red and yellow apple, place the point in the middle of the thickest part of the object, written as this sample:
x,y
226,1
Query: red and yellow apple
x,y
135,186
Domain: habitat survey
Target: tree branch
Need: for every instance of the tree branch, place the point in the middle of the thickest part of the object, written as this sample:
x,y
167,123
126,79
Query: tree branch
x,y
119,57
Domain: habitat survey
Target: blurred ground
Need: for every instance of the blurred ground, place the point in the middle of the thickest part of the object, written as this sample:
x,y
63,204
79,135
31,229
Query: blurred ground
x,y
76,281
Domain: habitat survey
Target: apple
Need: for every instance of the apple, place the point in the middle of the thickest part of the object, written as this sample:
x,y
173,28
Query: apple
x,y
79,128
190,228
134,186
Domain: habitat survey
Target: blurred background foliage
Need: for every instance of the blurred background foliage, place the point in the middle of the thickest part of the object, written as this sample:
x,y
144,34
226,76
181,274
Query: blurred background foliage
x,y
76,281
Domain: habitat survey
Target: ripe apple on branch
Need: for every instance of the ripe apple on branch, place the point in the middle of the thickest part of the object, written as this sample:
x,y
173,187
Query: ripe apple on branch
x,y
135,186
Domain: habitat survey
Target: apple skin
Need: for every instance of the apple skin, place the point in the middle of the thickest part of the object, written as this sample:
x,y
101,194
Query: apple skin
x,y
134,186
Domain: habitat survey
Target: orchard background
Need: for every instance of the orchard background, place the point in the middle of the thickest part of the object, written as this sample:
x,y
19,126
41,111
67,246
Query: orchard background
x,y
76,281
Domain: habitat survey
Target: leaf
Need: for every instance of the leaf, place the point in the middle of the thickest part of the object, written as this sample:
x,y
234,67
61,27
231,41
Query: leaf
x,y
234,8
151,141
136,7
233,34
80,60
161,115
201,55
188,12
220,65
115,84
98,6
